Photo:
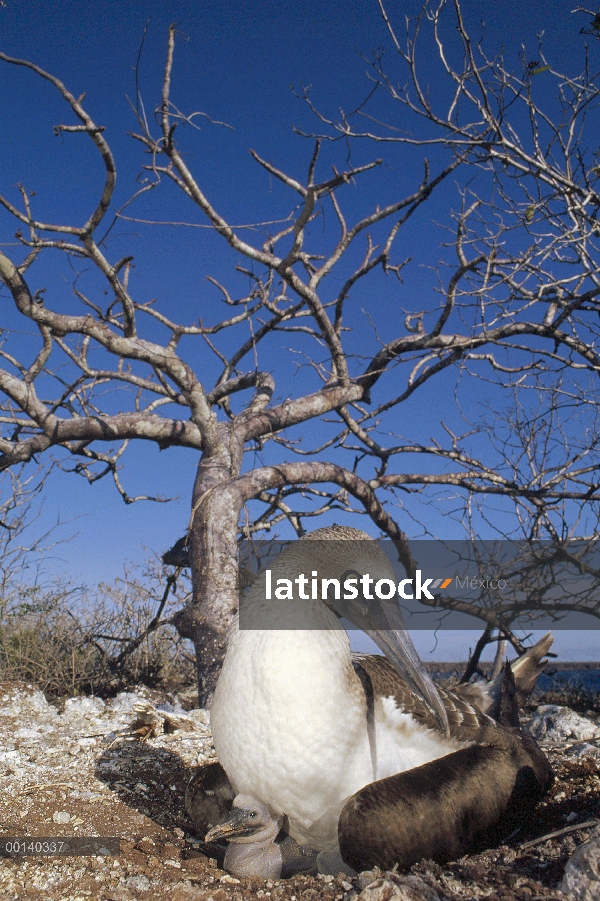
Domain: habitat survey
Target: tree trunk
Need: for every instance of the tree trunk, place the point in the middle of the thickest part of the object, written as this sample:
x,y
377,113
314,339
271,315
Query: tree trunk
x,y
216,505
499,658
473,664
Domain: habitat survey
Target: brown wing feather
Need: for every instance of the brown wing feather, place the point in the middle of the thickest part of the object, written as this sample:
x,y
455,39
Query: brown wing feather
x,y
474,714
467,723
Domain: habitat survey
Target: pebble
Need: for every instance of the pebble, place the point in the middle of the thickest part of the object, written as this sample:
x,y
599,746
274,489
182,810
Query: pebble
x,y
61,816
139,883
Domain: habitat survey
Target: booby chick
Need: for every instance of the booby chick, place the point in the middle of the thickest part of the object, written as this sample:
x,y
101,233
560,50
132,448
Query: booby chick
x,y
257,847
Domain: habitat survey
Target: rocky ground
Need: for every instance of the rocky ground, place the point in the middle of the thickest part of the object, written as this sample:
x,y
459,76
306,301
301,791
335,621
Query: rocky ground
x,y
68,770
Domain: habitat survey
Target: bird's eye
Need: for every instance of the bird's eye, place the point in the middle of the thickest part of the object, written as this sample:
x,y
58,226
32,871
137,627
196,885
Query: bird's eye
x,y
350,574
252,814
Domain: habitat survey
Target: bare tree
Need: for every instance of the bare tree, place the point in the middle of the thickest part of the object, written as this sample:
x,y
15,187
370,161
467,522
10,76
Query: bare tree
x,y
23,540
519,300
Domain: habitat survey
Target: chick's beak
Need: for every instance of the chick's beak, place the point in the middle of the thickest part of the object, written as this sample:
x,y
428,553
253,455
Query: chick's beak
x,y
237,824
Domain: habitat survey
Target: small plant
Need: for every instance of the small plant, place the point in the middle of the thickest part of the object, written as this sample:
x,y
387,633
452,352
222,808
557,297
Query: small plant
x,y
70,639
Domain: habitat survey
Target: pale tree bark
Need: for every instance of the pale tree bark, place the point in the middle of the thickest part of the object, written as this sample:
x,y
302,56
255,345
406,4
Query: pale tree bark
x,y
506,307
498,658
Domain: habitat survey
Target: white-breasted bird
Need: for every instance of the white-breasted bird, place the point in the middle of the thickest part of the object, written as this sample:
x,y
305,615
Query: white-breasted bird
x,y
357,750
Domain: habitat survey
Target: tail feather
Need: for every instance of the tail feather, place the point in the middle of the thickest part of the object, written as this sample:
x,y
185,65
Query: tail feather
x,y
529,666
509,691
505,708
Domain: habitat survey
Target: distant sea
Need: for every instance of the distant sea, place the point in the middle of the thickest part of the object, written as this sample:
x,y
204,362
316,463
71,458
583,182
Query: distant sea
x,y
586,679
557,677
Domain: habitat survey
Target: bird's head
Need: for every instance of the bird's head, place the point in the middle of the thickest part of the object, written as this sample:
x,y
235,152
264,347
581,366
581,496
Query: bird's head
x,y
249,822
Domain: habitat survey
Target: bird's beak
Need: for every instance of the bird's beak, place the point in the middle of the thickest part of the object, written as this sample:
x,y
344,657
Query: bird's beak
x,y
398,648
382,621
236,825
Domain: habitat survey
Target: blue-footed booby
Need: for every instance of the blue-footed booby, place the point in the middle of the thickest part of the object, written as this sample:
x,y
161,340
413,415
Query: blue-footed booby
x,y
257,845
351,746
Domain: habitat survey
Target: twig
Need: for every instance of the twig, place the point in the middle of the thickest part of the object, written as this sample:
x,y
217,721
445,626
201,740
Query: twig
x,y
45,785
544,838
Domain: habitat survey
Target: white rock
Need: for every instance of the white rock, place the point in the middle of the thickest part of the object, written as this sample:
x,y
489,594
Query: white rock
x,y
9,755
37,702
61,816
552,723
78,707
139,883
46,729
125,702
391,887
582,872
28,733
28,704
175,709
199,715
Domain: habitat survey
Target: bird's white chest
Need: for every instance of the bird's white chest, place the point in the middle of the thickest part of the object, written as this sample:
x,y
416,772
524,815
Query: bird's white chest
x,y
288,723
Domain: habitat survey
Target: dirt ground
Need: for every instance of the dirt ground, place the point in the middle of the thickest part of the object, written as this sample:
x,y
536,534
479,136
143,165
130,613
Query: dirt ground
x,y
74,781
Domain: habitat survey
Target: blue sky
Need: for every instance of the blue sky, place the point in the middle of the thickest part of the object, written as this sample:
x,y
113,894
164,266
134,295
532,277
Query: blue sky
x,y
236,62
